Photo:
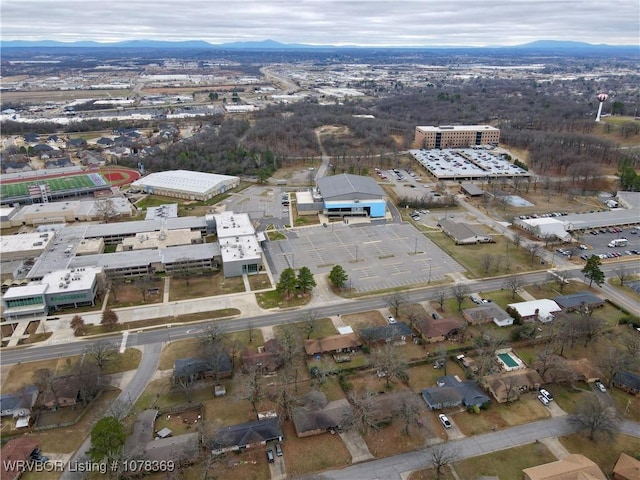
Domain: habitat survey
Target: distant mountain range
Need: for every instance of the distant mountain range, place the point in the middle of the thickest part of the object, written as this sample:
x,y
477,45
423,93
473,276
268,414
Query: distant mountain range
x,y
543,46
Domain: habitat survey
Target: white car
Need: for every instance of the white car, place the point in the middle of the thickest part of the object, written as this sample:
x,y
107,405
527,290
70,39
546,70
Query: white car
x,y
391,320
543,400
546,394
446,423
601,387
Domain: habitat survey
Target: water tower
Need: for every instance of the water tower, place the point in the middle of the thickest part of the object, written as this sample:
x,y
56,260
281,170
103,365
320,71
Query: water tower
x,y
602,97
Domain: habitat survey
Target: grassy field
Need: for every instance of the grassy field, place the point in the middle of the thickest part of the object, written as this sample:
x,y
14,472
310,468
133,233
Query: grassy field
x,y
68,182
204,286
604,452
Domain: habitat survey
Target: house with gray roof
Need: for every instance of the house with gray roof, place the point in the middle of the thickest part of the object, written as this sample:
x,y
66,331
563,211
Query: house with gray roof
x,y
488,312
452,392
352,195
246,435
464,234
576,301
395,332
627,381
196,368
316,419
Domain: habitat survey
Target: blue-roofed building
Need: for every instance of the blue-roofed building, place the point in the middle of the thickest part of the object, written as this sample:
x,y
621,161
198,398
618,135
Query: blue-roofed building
x,y
349,195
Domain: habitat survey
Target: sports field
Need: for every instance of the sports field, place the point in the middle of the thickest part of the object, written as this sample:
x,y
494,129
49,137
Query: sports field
x,y
71,182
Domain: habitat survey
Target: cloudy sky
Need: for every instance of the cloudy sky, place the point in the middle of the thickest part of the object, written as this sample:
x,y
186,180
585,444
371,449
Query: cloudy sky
x,y
322,22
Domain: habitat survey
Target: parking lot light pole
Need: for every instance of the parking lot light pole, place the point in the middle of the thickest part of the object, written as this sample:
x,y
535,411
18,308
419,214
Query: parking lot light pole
x,y
356,253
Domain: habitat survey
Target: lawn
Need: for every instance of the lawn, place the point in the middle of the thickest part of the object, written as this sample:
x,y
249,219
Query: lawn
x,y
312,454
204,286
129,360
259,282
275,299
527,409
507,258
604,451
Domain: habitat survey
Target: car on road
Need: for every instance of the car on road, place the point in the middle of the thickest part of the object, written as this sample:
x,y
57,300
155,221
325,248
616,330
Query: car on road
x,y
600,386
270,457
543,400
391,320
278,450
446,423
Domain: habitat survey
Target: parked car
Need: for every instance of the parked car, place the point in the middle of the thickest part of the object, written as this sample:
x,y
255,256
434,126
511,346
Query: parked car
x,y
278,449
391,320
543,400
270,457
446,423
600,386
546,394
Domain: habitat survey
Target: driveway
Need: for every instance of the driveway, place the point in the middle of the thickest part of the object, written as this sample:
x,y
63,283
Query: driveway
x,y
357,446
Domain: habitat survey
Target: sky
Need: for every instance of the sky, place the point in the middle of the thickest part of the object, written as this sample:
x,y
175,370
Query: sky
x,y
325,22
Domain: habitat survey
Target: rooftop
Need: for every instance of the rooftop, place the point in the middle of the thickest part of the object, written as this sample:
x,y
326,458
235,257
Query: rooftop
x,y
183,180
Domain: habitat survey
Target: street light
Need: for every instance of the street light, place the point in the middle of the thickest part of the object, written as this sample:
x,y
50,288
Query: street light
x,y
356,253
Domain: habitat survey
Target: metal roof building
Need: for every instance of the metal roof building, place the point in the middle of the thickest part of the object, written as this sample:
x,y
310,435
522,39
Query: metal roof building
x,y
352,195
186,184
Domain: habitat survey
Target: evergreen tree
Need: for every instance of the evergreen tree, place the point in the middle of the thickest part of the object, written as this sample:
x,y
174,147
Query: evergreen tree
x,y
305,279
338,276
592,271
287,281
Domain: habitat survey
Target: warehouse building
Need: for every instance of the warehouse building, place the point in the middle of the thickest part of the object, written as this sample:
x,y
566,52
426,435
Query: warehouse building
x,y
352,195
186,184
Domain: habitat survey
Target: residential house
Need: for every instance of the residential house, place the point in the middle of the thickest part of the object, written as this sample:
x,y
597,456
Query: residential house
x,y
626,468
463,233
42,148
318,416
489,312
439,330
571,467
31,137
104,142
16,450
76,143
533,310
508,386
627,381
268,358
144,444
391,333
580,300
332,344
453,392
65,392
246,435
582,370
9,166
196,368
18,404
58,163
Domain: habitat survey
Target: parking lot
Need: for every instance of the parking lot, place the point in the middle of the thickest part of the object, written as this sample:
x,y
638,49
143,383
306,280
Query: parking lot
x,y
375,256
262,203
599,240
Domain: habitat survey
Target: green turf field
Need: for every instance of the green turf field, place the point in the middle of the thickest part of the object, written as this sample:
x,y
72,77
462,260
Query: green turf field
x,y
8,190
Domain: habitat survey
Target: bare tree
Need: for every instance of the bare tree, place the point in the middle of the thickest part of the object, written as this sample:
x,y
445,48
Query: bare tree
x,y
514,284
363,416
119,409
441,455
487,262
622,273
440,296
250,388
532,248
591,327
630,340
595,416
45,380
309,323
407,412
460,292
185,384
614,360
389,364
396,302
101,353
517,239
90,381
106,209
109,319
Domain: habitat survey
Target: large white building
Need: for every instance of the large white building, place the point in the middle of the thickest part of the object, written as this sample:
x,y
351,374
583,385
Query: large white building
x,y
186,184
240,248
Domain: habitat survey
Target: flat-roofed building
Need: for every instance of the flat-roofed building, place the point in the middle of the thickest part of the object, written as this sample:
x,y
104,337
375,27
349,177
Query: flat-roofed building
x,y
448,136
241,252
186,184
161,239
25,245
63,288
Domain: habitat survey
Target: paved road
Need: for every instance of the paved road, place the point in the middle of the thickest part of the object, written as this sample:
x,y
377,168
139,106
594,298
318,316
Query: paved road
x,y
339,306
147,367
391,468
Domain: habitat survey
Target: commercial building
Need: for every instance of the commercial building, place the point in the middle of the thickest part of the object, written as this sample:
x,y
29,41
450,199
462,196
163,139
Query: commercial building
x,y
352,195
450,136
239,245
63,288
186,184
